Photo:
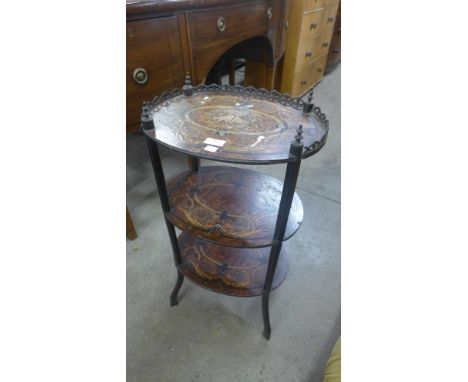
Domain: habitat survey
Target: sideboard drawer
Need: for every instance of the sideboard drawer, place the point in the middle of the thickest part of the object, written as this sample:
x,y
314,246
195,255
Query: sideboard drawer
x,y
212,28
154,62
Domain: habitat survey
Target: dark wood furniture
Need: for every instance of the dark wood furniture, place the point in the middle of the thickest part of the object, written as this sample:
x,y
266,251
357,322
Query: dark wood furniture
x,y
166,39
334,55
233,220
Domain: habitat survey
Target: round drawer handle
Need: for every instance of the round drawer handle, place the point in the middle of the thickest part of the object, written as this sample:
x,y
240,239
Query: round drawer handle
x,y
221,24
325,45
319,70
303,82
335,51
313,26
330,19
140,76
308,54
269,13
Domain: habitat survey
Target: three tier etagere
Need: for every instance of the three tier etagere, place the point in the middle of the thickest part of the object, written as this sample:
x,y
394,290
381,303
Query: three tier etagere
x,y
233,220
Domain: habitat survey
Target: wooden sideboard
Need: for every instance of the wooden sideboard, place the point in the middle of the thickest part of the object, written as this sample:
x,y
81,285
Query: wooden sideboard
x,y
309,32
166,39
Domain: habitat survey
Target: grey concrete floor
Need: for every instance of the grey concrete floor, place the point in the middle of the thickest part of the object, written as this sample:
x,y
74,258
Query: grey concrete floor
x,y
210,337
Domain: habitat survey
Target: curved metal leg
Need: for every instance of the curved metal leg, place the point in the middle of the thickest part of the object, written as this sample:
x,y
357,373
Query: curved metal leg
x,y
266,315
161,183
175,291
274,254
290,180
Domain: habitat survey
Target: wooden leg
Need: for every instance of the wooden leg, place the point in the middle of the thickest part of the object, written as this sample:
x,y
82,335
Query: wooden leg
x,y
259,74
131,232
232,71
270,76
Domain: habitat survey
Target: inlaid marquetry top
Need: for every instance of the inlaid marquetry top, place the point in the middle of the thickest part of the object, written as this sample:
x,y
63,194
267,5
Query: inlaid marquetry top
x,y
235,124
230,206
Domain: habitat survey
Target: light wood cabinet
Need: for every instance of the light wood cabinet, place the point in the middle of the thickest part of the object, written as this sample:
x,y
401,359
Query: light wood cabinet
x,y
308,40
334,54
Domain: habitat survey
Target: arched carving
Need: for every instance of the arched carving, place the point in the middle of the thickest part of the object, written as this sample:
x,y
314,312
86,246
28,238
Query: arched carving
x,y
258,48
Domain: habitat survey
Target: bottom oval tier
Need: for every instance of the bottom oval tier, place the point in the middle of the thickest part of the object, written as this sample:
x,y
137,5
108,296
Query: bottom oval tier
x,y
228,270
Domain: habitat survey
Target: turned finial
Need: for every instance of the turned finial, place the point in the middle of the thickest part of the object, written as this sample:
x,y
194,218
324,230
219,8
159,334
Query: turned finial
x,y
188,88
298,137
146,117
308,106
145,108
297,145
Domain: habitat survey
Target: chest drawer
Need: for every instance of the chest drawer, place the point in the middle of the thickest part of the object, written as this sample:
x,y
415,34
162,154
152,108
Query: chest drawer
x,y
328,17
308,76
308,51
212,28
319,69
311,24
313,4
303,80
322,43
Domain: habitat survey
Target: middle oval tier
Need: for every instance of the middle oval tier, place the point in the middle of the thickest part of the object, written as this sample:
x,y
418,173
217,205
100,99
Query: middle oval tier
x,y
230,206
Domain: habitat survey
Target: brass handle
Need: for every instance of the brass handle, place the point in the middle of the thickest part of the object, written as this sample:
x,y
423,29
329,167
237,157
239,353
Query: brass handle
x,y
319,70
325,45
308,54
130,32
140,76
303,82
330,20
269,13
313,26
221,24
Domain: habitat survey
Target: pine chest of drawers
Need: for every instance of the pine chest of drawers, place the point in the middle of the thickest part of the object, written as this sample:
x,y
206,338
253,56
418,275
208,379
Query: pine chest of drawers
x,y
308,37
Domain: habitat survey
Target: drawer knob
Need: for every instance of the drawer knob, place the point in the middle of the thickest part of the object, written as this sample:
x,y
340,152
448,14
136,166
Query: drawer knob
x,y
308,54
303,82
325,45
130,32
140,76
319,70
269,13
330,19
313,26
221,24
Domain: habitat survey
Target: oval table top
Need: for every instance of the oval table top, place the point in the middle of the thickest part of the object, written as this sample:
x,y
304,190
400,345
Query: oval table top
x,y
235,124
